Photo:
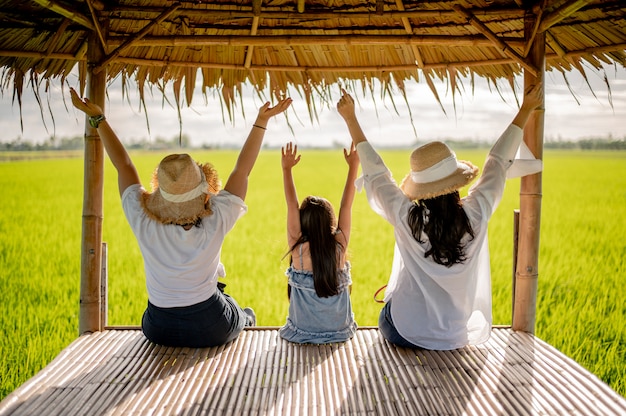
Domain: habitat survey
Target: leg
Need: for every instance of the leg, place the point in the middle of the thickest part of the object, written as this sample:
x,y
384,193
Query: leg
x,y
389,331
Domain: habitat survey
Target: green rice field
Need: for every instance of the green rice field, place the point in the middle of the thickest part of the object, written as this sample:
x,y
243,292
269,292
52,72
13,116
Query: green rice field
x,y
581,307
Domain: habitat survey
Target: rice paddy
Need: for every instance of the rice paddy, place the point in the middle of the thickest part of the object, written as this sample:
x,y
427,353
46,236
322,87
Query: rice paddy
x,y
582,268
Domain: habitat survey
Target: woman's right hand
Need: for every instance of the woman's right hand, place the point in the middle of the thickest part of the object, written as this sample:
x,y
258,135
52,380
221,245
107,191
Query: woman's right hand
x,y
85,105
345,106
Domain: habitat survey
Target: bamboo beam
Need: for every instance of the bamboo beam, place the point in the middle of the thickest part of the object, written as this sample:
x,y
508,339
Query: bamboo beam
x,y
57,35
409,29
527,273
111,57
268,13
68,12
96,24
295,40
300,68
564,11
152,62
256,7
91,246
480,26
529,43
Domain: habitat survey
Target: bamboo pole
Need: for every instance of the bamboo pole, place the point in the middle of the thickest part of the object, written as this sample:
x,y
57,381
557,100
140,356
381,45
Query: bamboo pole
x,y
515,250
296,40
72,14
104,285
526,274
564,11
357,12
618,47
503,46
91,247
131,42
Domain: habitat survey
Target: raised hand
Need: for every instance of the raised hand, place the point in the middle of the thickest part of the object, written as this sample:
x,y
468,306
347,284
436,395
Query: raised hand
x,y
351,156
345,106
266,112
85,105
290,157
534,97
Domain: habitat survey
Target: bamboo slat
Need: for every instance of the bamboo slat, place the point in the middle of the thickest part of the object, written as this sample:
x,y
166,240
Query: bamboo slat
x,y
118,372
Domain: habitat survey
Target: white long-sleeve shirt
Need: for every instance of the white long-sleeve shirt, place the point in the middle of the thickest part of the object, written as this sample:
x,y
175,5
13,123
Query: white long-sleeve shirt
x,y
434,306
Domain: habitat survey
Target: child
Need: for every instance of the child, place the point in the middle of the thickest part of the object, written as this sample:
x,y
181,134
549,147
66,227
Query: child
x,y
319,285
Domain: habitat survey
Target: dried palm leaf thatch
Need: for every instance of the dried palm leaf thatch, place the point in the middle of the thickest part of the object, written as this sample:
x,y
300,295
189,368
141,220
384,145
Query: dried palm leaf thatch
x,y
308,46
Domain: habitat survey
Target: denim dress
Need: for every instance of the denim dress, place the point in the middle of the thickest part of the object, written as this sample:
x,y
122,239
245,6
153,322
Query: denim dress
x,y
317,320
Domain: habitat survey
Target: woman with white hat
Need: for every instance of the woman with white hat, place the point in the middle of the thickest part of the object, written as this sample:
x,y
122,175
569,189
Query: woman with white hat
x,y
180,227
439,291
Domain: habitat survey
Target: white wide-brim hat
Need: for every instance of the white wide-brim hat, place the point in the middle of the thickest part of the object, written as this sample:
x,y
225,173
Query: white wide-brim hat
x,y
435,171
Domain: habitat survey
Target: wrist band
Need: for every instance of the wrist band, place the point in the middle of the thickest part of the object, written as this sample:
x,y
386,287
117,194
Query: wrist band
x,y
94,121
261,127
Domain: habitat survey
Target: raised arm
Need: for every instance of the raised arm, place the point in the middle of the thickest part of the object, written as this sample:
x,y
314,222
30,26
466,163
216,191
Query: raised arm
x,y
126,171
344,222
237,183
532,100
345,107
289,159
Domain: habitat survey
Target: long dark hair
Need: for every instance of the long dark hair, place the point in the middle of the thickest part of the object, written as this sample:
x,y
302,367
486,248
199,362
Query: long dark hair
x,y
445,223
317,224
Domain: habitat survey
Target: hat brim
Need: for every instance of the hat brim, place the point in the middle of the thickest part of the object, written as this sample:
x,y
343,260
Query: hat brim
x,y
181,213
462,176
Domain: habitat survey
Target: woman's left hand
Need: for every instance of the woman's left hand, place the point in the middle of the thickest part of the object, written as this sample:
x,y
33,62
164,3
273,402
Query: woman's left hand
x,y
85,105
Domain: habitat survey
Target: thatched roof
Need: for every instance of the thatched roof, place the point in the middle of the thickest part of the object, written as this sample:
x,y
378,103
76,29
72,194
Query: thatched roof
x,y
304,44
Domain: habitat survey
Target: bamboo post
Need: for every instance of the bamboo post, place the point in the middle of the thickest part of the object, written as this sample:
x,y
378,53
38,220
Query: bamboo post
x,y
104,284
91,244
526,274
515,248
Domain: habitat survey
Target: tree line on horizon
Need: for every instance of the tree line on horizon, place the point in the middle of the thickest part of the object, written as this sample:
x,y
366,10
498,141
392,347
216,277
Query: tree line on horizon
x,y
183,141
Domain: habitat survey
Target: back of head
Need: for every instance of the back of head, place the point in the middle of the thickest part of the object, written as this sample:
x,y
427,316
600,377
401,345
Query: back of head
x,y
445,223
180,188
317,223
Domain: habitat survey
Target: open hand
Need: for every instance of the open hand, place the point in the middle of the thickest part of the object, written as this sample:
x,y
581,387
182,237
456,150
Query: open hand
x,y
85,105
266,112
290,157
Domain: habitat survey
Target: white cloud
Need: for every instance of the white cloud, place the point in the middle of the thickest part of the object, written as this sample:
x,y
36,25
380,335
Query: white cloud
x,y
480,114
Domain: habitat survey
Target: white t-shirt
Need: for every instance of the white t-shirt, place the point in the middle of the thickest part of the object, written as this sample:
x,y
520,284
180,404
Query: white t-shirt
x,y
434,306
182,266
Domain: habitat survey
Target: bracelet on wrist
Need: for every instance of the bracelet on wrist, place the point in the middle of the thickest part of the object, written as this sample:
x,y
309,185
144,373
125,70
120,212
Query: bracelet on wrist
x,y
261,127
94,121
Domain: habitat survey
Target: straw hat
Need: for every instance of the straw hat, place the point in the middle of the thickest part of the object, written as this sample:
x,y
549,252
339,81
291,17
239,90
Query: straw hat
x,y
435,171
179,189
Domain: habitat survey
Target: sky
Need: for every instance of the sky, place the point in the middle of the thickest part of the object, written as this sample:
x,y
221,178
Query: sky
x,y
479,113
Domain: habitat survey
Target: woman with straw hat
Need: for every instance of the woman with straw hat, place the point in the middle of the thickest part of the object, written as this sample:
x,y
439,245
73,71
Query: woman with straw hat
x,y
180,227
439,291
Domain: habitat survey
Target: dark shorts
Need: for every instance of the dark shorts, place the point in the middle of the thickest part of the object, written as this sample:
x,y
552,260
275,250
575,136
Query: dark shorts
x,y
213,322
389,331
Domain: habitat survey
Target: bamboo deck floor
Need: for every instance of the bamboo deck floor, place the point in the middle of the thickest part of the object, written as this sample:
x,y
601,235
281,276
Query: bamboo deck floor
x,y
118,372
